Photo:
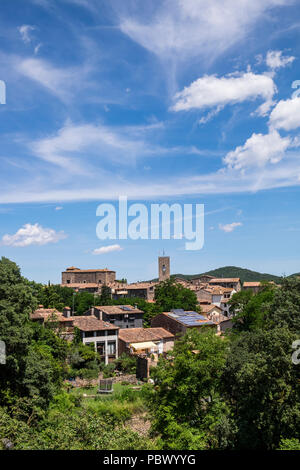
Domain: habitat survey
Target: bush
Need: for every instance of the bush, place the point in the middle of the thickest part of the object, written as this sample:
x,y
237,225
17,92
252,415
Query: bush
x,y
108,370
126,364
88,374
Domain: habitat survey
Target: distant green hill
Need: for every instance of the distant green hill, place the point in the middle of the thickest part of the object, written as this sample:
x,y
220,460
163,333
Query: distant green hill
x,y
235,271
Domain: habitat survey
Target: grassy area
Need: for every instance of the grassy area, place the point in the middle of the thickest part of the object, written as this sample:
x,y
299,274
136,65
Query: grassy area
x,y
123,402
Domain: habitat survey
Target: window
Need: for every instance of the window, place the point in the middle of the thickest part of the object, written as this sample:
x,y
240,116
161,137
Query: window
x,y
88,334
111,332
68,281
100,333
111,348
101,348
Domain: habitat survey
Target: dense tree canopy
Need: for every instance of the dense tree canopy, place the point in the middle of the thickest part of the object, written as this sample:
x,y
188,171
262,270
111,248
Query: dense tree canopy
x,y
186,402
169,295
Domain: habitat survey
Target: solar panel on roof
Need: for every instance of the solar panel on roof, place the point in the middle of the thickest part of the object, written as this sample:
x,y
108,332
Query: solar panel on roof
x,y
178,311
126,309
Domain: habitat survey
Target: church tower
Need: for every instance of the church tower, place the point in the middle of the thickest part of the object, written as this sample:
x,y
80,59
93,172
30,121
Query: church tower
x,y
163,268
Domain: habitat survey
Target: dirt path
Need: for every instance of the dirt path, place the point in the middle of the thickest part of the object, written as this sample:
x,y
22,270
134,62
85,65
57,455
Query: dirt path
x,y
140,423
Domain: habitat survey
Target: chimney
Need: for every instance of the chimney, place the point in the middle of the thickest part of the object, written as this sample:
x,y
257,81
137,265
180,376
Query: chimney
x,y
67,312
97,313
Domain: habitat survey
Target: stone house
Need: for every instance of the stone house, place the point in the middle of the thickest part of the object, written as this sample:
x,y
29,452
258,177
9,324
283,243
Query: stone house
x,y
87,279
122,316
179,321
145,341
230,282
102,335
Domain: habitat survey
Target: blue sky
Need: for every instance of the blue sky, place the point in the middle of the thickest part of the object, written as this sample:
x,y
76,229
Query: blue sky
x,y
183,101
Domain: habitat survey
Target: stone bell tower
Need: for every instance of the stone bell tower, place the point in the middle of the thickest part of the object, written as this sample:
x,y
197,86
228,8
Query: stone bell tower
x,y
163,268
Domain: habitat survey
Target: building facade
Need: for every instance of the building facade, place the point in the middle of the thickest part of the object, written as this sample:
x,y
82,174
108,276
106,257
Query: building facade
x,y
101,335
73,276
179,321
122,316
145,341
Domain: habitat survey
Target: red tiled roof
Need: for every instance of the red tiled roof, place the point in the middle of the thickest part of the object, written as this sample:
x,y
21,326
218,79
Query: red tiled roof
x,y
206,308
117,309
48,314
139,335
91,323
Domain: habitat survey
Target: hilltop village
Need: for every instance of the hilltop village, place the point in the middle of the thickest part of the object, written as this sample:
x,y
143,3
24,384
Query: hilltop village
x,y
113,330
210,363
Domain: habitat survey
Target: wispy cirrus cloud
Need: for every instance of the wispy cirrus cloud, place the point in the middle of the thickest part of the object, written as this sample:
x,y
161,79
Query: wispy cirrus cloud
x,y
69,146
185,28
285,173
61,82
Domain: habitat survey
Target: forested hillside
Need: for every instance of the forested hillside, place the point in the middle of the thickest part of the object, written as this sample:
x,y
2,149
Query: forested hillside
x,y
235,271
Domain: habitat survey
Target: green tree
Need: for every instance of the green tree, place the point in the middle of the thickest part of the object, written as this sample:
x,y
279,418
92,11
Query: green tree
x,y
30,369
289,444
262,386
169,295
284,310
250,309
105,297
187,408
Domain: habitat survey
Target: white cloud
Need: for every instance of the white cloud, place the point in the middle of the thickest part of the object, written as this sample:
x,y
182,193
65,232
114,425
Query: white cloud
x,y
107,249
276,60
25,31
58,208
182,28
258,150
286,114
229,227
37,48
211,91
33,235
59,81
285,173
69,146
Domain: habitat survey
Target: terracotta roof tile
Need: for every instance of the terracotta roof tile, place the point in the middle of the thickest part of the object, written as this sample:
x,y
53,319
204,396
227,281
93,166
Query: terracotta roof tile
x,y
91,323
118,310
139,335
